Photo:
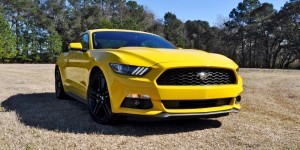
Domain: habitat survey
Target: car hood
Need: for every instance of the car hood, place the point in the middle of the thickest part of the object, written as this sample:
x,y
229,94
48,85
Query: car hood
x,y
153,56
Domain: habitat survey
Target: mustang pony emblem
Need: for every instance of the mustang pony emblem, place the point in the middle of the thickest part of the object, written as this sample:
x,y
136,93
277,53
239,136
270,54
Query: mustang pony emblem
x,y
202,75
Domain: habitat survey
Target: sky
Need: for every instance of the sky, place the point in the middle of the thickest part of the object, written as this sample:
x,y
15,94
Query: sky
x,y
206,10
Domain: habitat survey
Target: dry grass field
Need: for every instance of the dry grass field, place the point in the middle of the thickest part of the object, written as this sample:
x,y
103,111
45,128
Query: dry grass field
x,y
32,118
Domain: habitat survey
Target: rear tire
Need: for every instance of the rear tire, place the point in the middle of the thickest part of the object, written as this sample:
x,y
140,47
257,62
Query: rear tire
x,y
59,88
99,101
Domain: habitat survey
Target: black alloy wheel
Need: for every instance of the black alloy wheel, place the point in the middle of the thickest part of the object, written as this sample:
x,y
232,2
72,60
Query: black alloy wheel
x,y
59,89
99,101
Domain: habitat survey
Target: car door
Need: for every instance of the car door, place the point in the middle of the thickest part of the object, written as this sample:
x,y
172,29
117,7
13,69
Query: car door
x,y
77,70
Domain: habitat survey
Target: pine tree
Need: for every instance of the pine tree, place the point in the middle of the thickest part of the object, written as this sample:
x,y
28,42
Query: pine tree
x,y
7,42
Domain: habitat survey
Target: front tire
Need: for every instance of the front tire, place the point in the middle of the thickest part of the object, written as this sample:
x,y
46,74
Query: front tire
x,y
99,101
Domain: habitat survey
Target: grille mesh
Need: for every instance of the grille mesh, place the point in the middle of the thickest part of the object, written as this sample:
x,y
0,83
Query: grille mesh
x,y
191,76
192,104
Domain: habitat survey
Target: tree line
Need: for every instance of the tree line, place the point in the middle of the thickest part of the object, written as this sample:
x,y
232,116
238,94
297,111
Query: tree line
x,y
254,35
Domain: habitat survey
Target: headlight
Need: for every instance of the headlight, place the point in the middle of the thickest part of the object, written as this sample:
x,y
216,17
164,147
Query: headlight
x,y
130,70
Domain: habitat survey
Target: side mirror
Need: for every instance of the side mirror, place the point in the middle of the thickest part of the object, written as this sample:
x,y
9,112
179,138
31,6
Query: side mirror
x,y
75,46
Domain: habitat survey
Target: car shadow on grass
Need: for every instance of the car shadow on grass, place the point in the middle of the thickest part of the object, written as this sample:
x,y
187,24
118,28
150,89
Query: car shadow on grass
x,y
43,110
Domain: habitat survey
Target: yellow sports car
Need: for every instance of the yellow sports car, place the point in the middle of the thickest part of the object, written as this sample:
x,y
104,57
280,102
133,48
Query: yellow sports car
x,y
136,74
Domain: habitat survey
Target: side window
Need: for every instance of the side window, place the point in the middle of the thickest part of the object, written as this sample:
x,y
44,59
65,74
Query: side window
x,y
84,40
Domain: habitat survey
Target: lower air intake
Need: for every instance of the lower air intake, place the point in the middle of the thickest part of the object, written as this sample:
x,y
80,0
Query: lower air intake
x,y
193,104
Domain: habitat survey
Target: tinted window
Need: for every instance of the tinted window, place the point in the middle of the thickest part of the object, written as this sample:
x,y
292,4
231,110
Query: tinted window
x,y
84,40
109,39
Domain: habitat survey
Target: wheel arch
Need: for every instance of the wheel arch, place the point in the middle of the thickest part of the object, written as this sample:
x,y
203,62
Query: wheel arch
x,y
95,70
60,72
57,68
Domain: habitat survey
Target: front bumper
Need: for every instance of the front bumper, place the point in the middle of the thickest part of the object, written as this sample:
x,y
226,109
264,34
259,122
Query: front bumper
x,y
169,116
122,86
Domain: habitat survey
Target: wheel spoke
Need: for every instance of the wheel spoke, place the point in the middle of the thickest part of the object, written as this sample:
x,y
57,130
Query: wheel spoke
x,y
105,109
57,83
98,85
103,84
57,75
93,92
97,108
93,96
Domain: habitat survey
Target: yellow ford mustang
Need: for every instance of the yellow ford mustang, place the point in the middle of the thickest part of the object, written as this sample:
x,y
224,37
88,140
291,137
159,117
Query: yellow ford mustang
x,y
132,73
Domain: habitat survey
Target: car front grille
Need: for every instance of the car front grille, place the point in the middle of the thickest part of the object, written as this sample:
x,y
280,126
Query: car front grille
x,y
194,104
196,76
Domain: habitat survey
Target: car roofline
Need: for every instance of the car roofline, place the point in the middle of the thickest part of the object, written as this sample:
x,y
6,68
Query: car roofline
x,y
116,30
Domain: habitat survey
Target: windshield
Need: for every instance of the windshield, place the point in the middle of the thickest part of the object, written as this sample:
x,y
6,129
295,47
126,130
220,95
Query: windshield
x,y
110,39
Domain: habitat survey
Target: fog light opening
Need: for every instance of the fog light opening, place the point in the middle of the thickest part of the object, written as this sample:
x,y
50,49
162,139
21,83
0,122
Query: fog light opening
x,y
138,101
238,99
